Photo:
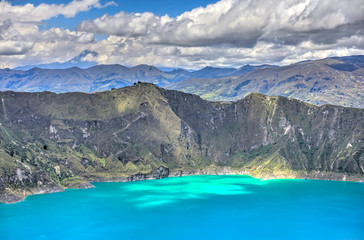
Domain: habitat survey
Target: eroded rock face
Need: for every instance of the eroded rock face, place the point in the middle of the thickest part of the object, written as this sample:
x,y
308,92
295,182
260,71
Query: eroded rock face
x,y
161,172
138,177
143,132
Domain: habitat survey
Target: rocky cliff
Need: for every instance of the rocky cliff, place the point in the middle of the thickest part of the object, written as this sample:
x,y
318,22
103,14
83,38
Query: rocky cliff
x,y
49,142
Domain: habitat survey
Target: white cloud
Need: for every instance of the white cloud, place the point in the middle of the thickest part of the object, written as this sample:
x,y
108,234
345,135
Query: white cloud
x,y
240,23
233,32
21,41
14,47
31,13
227,33
121,24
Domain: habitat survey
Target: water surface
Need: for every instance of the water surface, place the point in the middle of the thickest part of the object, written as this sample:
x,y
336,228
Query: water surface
x,y
193,207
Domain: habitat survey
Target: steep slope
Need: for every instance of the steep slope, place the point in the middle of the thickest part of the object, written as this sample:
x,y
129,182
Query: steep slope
x,y
211,72
337,81
248,68
50,141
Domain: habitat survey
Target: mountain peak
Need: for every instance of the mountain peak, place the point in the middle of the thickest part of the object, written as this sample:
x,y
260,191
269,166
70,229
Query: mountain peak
x,y
78,61
146,67
79,58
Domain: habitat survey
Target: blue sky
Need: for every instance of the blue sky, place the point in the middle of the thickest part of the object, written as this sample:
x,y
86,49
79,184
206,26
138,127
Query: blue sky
x,y
159,7
188,34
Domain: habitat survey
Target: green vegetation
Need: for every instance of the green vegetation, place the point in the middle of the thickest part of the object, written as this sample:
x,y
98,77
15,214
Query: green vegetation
x,y
139,132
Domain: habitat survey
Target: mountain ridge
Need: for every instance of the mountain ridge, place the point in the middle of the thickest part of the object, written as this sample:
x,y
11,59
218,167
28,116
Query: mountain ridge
x,y
98,77
77,61
337,80
49,143
325,81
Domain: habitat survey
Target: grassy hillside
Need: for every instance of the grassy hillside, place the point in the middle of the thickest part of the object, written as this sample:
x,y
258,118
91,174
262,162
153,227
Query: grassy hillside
x,y
50,141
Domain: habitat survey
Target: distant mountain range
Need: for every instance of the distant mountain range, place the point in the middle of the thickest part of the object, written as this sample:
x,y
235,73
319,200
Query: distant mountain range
x,y
78,61
103,77
337,80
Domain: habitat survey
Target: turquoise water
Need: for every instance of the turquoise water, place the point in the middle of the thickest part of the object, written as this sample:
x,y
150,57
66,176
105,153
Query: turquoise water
x,y
193,207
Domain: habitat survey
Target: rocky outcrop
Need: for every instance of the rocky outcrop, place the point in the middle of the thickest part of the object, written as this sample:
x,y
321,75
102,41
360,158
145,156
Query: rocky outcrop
x,y
159,173
9,195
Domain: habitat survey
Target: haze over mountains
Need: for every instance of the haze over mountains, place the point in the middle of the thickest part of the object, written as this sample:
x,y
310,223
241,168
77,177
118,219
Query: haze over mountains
x,y
338,80
104,77
79,61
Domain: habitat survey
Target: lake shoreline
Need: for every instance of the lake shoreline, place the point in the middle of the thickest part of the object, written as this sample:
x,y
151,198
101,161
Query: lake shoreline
x,y
10,196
